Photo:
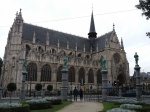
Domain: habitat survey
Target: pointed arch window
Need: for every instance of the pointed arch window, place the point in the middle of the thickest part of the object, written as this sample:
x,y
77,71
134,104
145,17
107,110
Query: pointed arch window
x,y
27,49
46,73
31,72
81,75
71,75
99,77
59,74
90,76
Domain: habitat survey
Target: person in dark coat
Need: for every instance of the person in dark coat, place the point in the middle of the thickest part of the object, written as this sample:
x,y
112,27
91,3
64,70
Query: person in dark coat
x,y
5,94
81,94
75,93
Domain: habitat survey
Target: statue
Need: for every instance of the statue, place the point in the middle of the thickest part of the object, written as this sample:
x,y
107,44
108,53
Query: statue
x,y
65,63
136,58
103,63
25,65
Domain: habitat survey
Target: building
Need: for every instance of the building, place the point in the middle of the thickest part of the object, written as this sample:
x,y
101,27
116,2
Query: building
x,y
145,81
45,49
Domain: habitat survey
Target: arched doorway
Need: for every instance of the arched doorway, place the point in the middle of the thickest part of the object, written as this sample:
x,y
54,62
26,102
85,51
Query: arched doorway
x,y
121,79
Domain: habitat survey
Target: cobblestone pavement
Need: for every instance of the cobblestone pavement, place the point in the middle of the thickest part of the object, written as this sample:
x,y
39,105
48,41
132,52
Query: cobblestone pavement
x,y
82,106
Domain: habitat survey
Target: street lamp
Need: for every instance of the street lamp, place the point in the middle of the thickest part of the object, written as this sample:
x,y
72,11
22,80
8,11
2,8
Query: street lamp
x,y
30,85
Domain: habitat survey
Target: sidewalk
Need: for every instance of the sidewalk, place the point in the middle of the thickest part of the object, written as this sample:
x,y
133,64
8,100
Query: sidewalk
x,y
82,106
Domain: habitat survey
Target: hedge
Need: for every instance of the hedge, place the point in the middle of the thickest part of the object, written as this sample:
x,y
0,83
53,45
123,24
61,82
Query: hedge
x,y
16,109
40,106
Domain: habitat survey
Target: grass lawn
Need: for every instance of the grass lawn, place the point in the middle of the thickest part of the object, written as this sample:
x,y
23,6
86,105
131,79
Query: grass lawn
x,y
54,107
108,105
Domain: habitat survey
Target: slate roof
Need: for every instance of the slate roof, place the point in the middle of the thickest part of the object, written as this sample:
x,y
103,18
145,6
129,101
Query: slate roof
x,y
40,33
101,40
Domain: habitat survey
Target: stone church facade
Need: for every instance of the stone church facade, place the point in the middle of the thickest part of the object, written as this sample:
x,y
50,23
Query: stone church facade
x,y
45,50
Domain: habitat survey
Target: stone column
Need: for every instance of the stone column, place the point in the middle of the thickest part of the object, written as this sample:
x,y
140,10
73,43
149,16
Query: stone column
x,y
22,95
138,83
104,85
64,86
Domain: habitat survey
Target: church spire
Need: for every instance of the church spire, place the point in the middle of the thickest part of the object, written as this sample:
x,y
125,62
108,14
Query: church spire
x,y
92,33
122,46
47,38
34,38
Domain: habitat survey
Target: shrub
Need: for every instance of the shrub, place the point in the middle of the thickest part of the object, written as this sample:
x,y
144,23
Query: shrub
x,y
49,88
38,87
56,101
11,87
15,108
120,110
36,101
6,105
130,106
130,101
39,106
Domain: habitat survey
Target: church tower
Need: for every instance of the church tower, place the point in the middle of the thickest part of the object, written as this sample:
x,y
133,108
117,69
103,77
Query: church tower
x,y
92,33
17,29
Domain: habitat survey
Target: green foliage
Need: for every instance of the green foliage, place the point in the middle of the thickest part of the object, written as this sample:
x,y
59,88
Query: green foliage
x,y
11,86
56,101
54,107
109,105
16,109
40,106
38,87
49,87
144,5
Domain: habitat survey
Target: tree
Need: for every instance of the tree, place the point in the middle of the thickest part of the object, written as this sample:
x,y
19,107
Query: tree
x,y
49,88
11,87
144,5
38,87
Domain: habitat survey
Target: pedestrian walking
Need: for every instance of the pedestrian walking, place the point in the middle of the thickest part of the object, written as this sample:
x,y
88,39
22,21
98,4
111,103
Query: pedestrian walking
x,y
75,93
81,94
5,94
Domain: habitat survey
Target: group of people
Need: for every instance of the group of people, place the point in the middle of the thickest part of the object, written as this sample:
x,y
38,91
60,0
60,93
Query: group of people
x,y
76,92
4,94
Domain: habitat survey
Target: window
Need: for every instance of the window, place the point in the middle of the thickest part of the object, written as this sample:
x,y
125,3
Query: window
x,y
81,75
31,72
90,76
46,73
99,77
59,74
27,49
71,75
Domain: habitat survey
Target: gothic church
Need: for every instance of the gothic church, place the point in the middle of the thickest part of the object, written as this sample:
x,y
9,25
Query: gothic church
x,y
45,50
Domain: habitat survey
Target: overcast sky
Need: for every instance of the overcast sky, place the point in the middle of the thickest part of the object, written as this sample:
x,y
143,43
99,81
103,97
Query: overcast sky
x,y
73,16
